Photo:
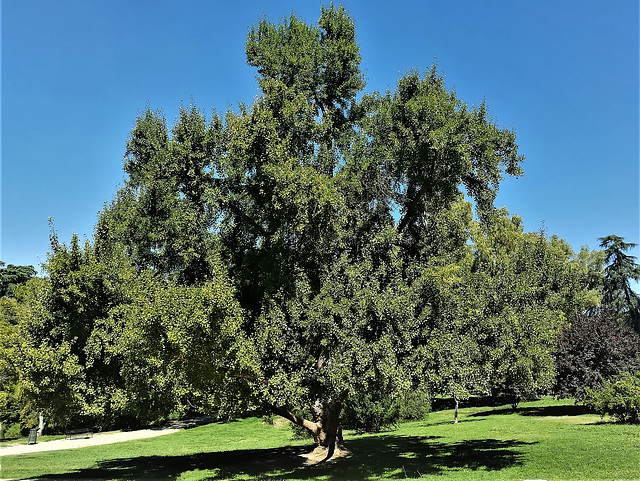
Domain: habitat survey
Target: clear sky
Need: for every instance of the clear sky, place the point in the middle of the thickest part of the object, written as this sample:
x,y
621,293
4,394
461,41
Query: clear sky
x,y
76,73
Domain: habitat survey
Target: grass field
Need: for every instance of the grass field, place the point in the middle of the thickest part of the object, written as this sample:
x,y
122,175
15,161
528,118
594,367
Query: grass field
x,y
543,440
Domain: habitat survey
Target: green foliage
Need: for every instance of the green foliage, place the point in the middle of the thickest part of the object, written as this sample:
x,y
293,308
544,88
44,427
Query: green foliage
x,y
591,264
181,347
618,296
103,342
12,409
620,398
321,63
311,179
368,414
13,431
65,368
431,144
413,406
12,276
529,287
494,317
164,213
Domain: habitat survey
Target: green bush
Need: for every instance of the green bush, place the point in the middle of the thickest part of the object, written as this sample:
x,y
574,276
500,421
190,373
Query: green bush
x,y
12,432
268,419
372,415
620,399
369,414
415,406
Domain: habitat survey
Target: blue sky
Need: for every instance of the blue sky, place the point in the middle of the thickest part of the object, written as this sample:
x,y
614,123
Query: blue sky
x,y
76,73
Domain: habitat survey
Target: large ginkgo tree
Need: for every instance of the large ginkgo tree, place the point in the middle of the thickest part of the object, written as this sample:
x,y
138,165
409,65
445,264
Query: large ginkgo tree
x,y
313,246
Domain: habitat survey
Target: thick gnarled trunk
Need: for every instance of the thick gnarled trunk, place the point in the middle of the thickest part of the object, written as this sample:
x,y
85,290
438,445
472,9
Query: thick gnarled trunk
x,y
327,432
325,427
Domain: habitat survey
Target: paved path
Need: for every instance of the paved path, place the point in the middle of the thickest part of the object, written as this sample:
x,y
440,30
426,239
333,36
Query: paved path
x,y
81,443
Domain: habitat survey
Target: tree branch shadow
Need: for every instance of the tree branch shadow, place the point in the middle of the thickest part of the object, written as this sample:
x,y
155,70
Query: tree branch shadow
x,y
370,457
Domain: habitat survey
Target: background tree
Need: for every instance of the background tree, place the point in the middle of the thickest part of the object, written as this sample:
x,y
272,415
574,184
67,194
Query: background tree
x,y
181,349
448,353
66,370
618,297
494,318
13,412
619,398
593,350
11,312
12,276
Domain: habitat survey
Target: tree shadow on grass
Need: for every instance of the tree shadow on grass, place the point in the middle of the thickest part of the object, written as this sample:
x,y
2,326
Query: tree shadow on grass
x,y
414,456
553,411
223,464
370,457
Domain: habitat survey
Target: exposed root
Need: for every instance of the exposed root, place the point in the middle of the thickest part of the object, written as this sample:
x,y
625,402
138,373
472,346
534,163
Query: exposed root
x,y
319,454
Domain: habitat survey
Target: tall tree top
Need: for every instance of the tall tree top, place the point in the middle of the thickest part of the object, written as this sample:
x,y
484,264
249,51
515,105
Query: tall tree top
x,y
617,293
321,60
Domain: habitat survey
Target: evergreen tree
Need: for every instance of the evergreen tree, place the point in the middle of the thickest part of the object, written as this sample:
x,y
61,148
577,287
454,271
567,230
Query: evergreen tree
x,y
12,276
618,297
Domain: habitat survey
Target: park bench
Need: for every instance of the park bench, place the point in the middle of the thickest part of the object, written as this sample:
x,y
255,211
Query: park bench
x,y
79,433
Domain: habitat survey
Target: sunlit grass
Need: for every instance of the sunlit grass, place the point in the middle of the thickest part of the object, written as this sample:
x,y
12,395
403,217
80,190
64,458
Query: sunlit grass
x,y
17,442
542,440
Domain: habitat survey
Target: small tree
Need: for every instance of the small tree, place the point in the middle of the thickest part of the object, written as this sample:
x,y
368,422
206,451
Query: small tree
x,y
620,398
102,342
10,313
525,288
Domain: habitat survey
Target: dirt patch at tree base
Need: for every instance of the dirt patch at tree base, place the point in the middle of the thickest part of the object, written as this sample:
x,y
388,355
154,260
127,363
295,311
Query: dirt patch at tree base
x,y
319,454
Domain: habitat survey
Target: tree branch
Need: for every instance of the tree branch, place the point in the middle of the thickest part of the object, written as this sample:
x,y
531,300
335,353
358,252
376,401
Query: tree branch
x,y
305,423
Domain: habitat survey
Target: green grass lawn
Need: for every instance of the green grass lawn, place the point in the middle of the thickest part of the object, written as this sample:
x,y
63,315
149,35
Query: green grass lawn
x,y
4,443
543,440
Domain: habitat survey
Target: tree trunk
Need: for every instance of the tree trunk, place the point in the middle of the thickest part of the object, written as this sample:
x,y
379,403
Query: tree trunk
x,y
455,417
325,427
41,424
327,433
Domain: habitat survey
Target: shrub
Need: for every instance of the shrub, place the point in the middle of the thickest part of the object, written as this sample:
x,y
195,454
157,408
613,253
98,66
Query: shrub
x,y
620,399
372,415
414,406
368,413
269,419
13,431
